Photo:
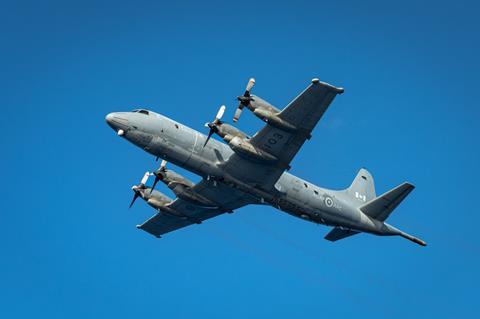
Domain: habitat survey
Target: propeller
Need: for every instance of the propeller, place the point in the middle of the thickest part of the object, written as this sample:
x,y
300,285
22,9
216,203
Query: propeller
x,y
214,125
135,196
136,188
158,174
244,99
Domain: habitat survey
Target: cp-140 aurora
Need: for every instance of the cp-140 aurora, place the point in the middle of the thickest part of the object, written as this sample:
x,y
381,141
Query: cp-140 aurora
x,y
252,170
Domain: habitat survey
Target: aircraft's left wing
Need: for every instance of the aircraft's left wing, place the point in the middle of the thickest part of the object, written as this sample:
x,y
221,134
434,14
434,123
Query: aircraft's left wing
x,y
303,112
185,213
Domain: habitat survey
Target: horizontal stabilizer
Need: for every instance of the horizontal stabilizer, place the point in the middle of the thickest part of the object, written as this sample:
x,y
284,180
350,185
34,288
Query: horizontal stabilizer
x,y
381,207
338,233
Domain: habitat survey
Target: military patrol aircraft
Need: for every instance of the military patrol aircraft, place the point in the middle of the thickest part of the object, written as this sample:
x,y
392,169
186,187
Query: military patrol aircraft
x,y
252,170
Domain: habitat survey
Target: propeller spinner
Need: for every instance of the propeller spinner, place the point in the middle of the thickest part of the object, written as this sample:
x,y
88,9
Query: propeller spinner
x,y
244,99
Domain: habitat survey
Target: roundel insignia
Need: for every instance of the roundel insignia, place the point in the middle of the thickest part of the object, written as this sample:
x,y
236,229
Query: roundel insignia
x,y
328,202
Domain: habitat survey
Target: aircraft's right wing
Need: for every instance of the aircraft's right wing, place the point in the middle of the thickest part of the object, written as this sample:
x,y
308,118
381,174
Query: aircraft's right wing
x,y
187,213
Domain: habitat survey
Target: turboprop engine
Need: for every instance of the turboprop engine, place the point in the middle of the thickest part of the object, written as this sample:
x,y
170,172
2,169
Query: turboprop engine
x,y
236,139
180,185
157,200
153,198
261,109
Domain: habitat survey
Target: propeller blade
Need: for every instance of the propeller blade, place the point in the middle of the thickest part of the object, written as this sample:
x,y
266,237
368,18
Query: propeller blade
x,y
220,112
163,164
145,178
250,85
154,183
244,100
210,133
215,124
135,196
238,112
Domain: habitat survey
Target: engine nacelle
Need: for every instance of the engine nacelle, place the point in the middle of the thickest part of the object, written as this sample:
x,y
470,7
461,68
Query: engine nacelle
x,y
171,178
227,132
245,148
257,102
186,193
274,120
269,114
156,199
182,187
160,202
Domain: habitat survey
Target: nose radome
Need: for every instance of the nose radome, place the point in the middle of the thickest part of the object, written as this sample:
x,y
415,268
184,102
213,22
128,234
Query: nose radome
x,y
109,118
118,121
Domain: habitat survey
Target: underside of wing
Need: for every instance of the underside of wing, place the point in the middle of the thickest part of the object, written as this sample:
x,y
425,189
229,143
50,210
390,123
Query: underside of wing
x,y
181,213
303,113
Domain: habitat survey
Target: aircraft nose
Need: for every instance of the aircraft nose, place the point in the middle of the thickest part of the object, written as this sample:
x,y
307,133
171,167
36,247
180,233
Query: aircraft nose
x,y
116,121
109,118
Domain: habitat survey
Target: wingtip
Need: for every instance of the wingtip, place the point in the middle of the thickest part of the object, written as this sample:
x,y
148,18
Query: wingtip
x,y
338,90
410,184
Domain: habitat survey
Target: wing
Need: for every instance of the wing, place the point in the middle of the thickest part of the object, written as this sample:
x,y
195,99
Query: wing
x,y
338,233
303,112
185,213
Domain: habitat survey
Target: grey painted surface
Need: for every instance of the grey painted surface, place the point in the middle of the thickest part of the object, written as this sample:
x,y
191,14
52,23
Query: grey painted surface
x,y
235,175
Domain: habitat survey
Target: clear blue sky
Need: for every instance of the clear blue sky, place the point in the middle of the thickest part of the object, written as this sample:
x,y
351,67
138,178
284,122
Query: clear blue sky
x,y
69,244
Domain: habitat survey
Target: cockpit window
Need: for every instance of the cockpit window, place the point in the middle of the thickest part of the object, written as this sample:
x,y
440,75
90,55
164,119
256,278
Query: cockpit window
x,y
141,111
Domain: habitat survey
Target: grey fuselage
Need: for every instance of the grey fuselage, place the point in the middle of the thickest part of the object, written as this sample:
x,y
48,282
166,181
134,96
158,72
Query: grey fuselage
x,y
184,147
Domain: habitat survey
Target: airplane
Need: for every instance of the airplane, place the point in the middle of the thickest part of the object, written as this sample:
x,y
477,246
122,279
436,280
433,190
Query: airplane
x,y
244,170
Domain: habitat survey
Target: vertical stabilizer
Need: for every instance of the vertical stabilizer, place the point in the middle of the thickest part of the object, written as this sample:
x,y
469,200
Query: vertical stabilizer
x,y
362,188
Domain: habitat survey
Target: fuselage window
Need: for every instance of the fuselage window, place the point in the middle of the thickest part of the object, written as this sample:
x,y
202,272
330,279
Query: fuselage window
x,y
316,193
306,186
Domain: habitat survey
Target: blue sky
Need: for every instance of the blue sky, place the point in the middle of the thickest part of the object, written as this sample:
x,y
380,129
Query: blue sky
x,y
410,112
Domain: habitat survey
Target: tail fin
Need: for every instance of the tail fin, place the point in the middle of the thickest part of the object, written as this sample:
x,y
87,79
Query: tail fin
x,y
362,188
381,207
